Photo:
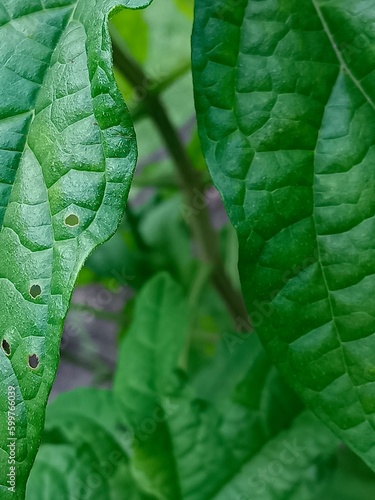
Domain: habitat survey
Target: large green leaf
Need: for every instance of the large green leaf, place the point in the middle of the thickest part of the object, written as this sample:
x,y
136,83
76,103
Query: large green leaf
x,y
285,96
67,152
190,447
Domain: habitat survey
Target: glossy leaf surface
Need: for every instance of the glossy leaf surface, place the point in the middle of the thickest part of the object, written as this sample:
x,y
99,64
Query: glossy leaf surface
x,y
286,103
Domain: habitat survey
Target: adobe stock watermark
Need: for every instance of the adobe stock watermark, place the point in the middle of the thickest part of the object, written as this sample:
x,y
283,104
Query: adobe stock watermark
x,y
200,201
364,40
12,440
263,310
263,478
129,440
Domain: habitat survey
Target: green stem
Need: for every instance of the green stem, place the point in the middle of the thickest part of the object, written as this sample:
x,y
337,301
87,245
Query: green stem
x,y
156,88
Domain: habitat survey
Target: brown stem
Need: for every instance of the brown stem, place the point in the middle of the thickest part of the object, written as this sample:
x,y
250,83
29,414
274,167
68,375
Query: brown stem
x,y
196,210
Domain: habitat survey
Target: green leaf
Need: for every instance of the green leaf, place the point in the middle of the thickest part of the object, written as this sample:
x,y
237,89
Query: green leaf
x,y
67,152
83,454
176,429
58,473
155,339
160,313
242,372
293,465
285,98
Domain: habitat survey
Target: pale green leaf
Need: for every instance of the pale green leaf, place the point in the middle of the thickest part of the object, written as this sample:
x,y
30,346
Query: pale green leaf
x,y
143,379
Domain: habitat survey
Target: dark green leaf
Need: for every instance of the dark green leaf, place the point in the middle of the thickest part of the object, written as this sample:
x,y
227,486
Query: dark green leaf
x,y
285,97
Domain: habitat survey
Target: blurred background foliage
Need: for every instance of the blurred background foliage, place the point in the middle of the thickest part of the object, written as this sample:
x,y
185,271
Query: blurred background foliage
x,y
174,224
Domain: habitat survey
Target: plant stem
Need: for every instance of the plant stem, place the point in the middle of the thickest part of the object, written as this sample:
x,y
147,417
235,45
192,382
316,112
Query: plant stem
x,y
157,87
198,215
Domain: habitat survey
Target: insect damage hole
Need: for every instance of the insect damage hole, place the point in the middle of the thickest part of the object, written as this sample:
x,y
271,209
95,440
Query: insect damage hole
x,y
33,361
35,291
72,220
6,347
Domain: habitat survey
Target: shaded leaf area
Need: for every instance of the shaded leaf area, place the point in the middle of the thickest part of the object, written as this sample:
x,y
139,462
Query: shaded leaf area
x,y
84,452
285,100
67,151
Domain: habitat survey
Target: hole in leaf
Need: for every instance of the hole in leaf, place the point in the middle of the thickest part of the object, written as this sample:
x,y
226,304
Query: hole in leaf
x,y
33,361
72,220
35,291
6,347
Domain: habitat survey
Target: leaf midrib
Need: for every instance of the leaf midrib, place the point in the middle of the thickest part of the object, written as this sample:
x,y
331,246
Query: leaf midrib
x,y
344,67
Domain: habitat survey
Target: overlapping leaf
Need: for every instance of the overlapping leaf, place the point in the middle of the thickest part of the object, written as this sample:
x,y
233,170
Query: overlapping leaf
x,y
286,101
67,153
190,447
84,454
